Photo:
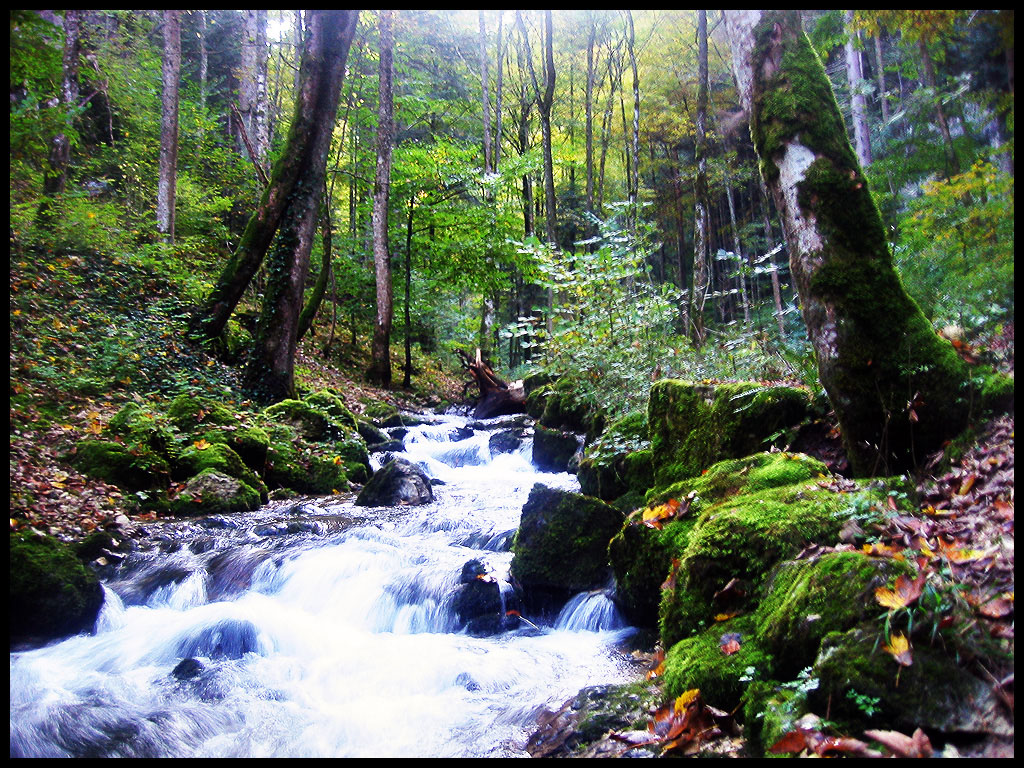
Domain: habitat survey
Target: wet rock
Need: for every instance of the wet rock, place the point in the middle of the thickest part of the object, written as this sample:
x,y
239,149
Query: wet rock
x,y
397,483
506,441
187,669
553,450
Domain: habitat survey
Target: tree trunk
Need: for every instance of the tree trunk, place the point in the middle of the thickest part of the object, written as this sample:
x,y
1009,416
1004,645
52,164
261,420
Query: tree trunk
x,y
589,108
701,214
316,297
952,162
60,146
252,89
898,390
380,367
883,99
858,104
270,372
485,97
290,173
496,397
634,181
168,179
497,94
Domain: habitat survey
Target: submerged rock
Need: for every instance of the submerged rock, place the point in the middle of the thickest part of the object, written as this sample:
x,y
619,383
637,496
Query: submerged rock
x,y
397,483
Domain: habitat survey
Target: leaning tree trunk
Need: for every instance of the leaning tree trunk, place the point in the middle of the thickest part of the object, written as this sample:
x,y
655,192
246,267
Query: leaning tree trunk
x,y
898,390
287,177
270,370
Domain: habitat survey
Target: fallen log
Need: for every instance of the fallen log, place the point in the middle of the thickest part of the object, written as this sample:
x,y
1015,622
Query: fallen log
x,y
497,398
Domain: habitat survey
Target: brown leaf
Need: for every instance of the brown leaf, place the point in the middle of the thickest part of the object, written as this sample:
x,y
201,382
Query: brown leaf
x,y
902,745
794,741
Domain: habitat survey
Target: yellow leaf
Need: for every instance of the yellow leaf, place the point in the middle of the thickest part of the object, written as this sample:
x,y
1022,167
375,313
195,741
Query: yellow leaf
x,y
687,699
337,460
201,444
899,647
725,616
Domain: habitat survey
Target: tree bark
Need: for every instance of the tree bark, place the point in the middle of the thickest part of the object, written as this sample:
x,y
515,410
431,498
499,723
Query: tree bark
x,y
270,371
701,214
316,297
252,89
589,108
898,389
858,104
56,177
485,97
380,367
168,178
289,173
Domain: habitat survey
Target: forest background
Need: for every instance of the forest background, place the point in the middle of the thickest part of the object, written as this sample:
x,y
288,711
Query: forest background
x,y
572,191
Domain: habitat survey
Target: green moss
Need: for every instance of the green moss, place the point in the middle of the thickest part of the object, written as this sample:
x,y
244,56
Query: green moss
x,y
693,426
145,428
221,458
213,492
300,466
742,538
189,411
378,411
134,469
698,662
52,594
335,408
250,443
807,599
562,541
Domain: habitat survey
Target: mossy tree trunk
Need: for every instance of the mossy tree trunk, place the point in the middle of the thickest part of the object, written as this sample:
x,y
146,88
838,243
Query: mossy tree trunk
x,y
270,370
289,172
898,390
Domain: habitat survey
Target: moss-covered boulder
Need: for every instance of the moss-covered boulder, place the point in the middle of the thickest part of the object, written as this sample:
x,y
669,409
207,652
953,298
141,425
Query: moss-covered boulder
x,y
213,492
692,426
561,546
134,469
220,457
52,594
187,412
331,404
145,428
249,442
553,450
716,661
371,434
309,421
735,544
805,600
642,553
934,692
295,464
619,461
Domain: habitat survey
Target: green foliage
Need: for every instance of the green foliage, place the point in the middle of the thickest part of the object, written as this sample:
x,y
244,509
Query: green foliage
x,y
956,252
613,326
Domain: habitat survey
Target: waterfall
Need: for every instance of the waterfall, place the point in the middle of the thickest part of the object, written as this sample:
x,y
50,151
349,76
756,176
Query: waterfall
x,y
251,635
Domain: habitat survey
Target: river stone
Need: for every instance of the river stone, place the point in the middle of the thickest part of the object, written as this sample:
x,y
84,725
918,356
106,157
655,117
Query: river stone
x,y
52,594
213,492
506,441
553,450
561,546
397,483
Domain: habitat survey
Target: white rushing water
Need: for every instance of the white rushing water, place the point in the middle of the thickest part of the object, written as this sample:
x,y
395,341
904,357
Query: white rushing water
x,y
323,631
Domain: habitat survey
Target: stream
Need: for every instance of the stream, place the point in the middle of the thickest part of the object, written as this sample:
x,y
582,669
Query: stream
x,y
320,629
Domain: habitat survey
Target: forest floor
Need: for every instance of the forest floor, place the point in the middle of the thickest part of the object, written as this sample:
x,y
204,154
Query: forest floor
x,y
87,335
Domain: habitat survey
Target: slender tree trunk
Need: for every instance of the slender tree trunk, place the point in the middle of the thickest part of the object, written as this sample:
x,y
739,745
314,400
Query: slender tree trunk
x,y
380,367
407,308
485,97
769,238
204,66
701,216
883,99
898,390
858,104
952,162
270,371
741,262
589,108
497,95
56,177
252,89
634,183
316,296
168,178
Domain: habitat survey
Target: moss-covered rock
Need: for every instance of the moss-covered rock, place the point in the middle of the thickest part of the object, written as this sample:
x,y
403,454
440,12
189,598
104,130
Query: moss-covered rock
x,y
397,483
933,693
733,547
221,458
329,402
309,421
561,546
52,594
250,443
619,461
553,449
807,599
700,662
641,556
145,428
213,492
134,470
303,467
692,426
189,411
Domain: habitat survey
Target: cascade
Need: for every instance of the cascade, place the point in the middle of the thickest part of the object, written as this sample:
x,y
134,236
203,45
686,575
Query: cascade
x,y
320,630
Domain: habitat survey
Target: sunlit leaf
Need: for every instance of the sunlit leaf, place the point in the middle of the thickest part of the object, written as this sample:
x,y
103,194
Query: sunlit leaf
x,y
904,593
900,649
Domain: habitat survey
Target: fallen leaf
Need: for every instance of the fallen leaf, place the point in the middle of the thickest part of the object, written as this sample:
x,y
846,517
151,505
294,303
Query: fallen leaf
x,y
904,593
902,745
900,649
